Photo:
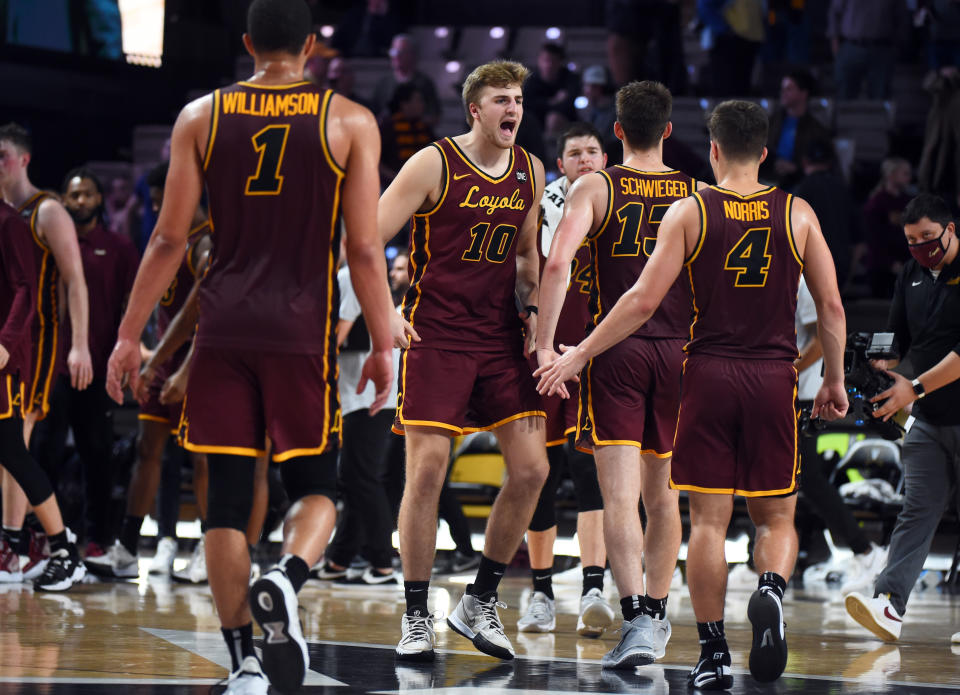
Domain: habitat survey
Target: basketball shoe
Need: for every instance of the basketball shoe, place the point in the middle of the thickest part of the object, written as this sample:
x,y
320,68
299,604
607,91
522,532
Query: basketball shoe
x,y
712,672
541,615
116,563
876,614
637,646
596,615
248,679
417,636
62,571
162,562
273,603
476,618
9,564
196,570
768,655
38,553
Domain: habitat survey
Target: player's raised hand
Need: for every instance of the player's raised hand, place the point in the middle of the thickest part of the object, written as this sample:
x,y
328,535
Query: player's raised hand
x,y
378,368
403,332
80,366
566,368
830,402
123,368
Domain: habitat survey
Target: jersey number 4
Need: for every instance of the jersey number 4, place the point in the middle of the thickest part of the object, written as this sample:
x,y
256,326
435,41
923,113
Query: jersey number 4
x,y
271,144
630,217
498,246
749,258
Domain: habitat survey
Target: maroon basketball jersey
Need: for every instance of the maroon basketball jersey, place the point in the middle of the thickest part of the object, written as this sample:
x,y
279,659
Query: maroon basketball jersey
x,y
744,274
46,321
463,255
16,273
176,295
637,202
274,193
575,314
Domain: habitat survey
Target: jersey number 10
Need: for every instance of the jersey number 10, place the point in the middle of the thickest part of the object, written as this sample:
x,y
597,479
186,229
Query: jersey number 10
x,y
498,247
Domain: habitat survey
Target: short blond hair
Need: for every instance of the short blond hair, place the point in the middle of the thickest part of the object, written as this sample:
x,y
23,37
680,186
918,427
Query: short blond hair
x,y
499,73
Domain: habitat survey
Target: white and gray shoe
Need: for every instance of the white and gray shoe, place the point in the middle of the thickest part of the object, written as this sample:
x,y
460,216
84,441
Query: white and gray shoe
x,y
476,618
661,635
418,638
162,562
541,615
637,646
248,679
596,615
116,563
196,570
274,605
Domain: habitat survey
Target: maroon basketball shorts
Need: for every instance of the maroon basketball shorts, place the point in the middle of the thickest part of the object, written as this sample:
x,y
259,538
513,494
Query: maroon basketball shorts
x,y
737,430
155,411
561,412
464,391
11,397
238,398
629,395
46,344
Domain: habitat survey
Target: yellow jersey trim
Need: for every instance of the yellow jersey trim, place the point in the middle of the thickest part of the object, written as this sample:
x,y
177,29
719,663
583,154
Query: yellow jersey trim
x,y
557,442
606,218
648,173
214,122
9,413
446,183
274,86
734,491
327,153
768,189
154,418
790,239
703,230
504,421
294,453
231,450
478,170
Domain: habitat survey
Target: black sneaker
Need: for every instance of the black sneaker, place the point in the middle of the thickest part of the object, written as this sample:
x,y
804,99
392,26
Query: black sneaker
x,y
273,603
768,655
712,673
62,571
325,573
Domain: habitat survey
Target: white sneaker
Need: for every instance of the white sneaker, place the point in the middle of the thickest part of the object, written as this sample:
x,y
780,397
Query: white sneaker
x,y
637,646
742,577
418,638
541,615
162,562
476,618
116,563
274,605
196,570
661,635
861,571
955,638
876,614
248,679
596,615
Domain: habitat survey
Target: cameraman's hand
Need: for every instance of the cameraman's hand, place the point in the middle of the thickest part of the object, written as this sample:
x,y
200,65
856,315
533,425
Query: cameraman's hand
x,y
830,402
897,396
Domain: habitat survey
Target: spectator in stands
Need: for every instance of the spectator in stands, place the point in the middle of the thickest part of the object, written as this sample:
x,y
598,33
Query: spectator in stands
x,y
550,91
404,70
792,129
632,26
144,218
864,35
883,229
939,170
788,32
735,33
601,111
828,194
923,316
118,206
109,266
341,77
403,131
944,46
366,29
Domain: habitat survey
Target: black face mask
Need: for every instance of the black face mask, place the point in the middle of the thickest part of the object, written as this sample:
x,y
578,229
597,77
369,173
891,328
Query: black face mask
x,y
80,217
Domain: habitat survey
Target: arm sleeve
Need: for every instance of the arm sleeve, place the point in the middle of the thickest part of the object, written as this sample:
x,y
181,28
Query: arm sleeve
x,y
18,266
897,320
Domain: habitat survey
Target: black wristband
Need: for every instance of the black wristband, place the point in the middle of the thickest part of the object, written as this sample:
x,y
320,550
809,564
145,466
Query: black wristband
x,y
530,309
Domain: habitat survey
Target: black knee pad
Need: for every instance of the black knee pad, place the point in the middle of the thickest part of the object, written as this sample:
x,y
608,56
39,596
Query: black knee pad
x,y
21,465
545,515
230,491
310,475
583,470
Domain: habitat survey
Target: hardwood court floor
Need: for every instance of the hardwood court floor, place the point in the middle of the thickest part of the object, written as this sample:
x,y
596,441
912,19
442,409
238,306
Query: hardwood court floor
x,y
159,638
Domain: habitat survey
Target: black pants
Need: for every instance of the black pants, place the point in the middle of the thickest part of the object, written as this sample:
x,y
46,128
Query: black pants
x,y
367,520
825,499
88,413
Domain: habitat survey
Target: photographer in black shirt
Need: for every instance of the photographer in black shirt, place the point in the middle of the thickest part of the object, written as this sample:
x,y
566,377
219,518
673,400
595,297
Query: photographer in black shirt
x,y
925,316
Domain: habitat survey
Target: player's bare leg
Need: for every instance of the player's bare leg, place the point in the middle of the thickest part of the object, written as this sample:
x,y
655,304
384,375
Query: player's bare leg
x,y
428,456
540,547
619,473
593,548
664,530
228,571
774,555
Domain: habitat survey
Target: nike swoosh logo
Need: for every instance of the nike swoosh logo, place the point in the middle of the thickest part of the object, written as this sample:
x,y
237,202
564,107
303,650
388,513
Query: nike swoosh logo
x,y
917,283
890,616
457,177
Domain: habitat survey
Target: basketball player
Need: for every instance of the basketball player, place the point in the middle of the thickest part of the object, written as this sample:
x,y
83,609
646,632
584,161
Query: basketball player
x,y
18,294
158,420
581,152
277,155
743,246
57,257
630,394
473,254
